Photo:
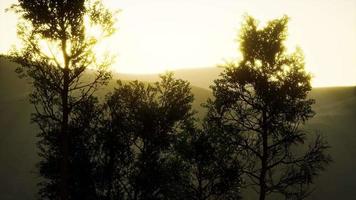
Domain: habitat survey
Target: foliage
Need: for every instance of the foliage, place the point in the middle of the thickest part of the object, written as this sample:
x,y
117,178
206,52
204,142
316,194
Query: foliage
x,y
57,48
140,126
264,99
211,171
148,147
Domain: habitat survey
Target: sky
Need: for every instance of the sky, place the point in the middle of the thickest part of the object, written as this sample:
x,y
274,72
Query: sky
x,y
159,35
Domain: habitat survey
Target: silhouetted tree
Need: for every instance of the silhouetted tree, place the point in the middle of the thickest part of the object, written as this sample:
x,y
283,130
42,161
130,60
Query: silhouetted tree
x,y
264,99
210,171
149,147
140,127
81,144
57,50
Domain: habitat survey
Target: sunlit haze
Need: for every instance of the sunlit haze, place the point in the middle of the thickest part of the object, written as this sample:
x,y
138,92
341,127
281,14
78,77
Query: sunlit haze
x,y
159,35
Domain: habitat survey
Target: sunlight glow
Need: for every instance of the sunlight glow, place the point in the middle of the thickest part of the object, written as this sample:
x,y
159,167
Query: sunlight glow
x,y
159,35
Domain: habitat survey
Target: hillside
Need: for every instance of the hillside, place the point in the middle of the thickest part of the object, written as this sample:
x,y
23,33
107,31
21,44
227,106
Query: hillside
x,y
336,119
200,77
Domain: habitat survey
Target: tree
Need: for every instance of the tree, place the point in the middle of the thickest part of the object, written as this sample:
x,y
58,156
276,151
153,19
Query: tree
x,y
57,50
263,100
140,125
209,170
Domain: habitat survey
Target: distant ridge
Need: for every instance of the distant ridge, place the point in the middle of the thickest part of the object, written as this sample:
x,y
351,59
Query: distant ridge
x,y
200,77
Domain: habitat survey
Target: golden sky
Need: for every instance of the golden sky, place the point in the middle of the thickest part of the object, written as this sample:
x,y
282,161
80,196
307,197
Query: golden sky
x,y
158,35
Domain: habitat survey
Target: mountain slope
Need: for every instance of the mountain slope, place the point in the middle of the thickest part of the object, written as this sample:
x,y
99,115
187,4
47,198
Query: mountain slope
x,y
17,137
336,120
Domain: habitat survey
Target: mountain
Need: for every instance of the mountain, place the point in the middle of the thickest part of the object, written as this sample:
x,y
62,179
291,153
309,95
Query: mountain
x,y
200,77
17,137
335,119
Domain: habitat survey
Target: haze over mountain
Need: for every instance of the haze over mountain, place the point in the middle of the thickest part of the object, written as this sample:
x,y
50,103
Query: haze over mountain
x,y
336,117
200,77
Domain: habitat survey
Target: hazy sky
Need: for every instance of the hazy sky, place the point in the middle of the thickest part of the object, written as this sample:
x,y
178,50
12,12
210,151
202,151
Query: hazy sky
x,y
159,35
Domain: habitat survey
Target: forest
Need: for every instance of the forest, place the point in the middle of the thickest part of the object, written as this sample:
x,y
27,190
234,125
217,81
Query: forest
x,y
102,137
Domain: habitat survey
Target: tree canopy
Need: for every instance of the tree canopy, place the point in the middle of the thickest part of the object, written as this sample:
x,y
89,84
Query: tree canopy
x,y
57,48
264,99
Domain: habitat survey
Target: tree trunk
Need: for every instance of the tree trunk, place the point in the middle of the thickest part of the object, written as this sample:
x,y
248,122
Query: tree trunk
x,y
262,181
64,169
263,176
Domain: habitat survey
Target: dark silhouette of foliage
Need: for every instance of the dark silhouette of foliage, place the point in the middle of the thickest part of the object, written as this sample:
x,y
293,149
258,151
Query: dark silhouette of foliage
x,y
150,148
81,148
263,101
140,126
57,50
210,170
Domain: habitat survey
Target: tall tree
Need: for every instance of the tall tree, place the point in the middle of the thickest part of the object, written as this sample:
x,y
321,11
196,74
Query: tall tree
x,y
264,99
57,49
